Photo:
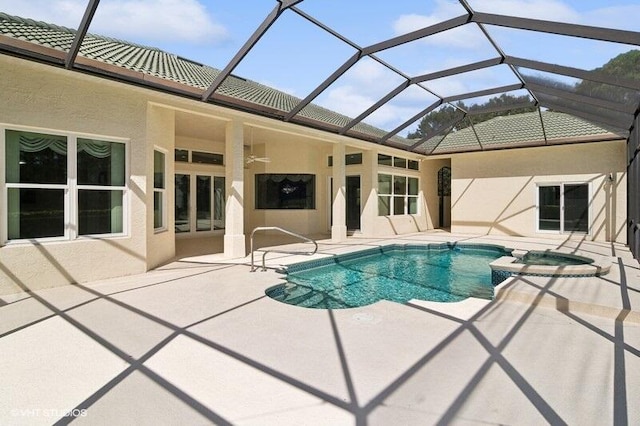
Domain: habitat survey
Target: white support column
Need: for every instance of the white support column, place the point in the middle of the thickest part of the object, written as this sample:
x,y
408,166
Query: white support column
x,y
234,239
369,193
339,205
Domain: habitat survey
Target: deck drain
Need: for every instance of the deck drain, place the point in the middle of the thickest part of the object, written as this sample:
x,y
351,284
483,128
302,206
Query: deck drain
x,y
365,318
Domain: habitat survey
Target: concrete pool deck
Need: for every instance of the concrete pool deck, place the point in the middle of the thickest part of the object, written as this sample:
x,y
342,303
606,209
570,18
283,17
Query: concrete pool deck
x,y
198,342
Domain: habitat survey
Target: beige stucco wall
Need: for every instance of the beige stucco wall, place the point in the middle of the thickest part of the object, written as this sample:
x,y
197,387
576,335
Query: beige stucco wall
x,y
160,134
53,99
288,154
495,192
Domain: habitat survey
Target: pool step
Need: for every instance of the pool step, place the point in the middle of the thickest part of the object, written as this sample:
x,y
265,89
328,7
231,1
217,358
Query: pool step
x,y
509,294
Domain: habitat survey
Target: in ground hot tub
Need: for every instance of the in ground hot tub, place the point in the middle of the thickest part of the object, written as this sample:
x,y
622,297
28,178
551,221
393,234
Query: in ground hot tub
x,y
551,258
548,263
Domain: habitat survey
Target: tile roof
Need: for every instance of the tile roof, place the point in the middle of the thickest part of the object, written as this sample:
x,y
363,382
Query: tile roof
x,y
499,132
524,129
164,65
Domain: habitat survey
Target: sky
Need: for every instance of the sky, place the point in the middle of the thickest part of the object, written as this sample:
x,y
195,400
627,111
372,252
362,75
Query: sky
x,y
296,57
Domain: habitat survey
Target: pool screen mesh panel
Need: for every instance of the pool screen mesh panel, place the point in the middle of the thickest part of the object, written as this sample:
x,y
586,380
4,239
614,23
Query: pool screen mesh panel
x,y
479,39
633,190
606,100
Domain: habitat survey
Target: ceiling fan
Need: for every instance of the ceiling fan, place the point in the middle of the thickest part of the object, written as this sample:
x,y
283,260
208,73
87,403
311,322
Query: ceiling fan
x,y
252,158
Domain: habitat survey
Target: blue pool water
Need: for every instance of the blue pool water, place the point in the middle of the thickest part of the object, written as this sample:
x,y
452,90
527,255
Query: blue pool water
x,y
442,273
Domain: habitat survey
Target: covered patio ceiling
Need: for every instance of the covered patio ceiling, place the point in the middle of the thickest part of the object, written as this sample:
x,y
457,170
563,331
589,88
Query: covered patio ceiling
x,y
480,39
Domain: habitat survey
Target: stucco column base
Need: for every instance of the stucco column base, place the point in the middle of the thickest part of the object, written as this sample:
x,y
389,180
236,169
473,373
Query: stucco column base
x,y
234,246
338,233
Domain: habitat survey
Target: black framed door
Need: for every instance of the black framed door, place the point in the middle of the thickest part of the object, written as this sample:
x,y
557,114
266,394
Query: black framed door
x,y
353,203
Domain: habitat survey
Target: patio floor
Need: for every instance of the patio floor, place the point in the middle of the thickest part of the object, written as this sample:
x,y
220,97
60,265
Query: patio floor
x,y
198,342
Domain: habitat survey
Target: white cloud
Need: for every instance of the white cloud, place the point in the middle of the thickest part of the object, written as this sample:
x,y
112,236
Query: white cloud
x,y
412,22
368,71
348,100
549,10
461,37
469,36
448,86
150,20
388,117
351,100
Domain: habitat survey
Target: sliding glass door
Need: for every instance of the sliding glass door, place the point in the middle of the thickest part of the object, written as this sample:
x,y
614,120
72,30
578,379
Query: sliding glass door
x,y
576,208
563,208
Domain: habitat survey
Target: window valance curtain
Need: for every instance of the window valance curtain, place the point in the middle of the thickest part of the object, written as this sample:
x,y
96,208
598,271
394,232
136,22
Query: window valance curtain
x,y
277,178
40,143
37,144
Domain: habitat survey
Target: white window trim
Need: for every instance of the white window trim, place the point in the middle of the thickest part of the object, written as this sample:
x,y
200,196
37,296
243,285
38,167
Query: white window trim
x,y
561,231
405,196
71,188
163,227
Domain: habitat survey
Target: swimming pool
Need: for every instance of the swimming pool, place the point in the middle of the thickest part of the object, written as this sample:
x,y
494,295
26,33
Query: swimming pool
x,y
437,272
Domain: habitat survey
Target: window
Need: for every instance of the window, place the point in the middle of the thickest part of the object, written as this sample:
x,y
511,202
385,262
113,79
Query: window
x,y
398,162
206,193
159,184
384,194
181,155
385,160
349,159
285,191
101,181
198,157
183,191
206,158
563,207
63,186
397,195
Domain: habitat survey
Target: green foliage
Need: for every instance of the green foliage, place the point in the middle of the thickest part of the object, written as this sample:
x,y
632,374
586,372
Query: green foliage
x,y
625,65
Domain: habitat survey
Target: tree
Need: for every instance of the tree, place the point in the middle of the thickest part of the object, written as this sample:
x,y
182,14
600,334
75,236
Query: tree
x,y
626,66
436,119
445,116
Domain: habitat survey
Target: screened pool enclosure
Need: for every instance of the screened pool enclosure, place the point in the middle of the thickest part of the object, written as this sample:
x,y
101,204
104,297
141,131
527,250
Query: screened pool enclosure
x,y
581,61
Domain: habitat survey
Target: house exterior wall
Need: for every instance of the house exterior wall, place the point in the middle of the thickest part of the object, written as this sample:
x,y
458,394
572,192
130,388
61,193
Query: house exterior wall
x,y
289,154
50,99
495,192
60,101
44,99
160,135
